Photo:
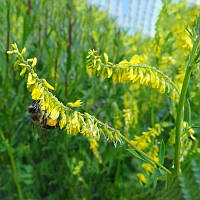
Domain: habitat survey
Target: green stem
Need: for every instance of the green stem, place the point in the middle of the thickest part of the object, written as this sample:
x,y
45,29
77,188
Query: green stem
x,y
7,41
12,161
152,115
179,120
195,126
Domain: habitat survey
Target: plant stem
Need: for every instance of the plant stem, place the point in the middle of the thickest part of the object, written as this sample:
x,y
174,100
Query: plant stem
x,y
69,47
12,161
144,154
7,40
195,126
179,119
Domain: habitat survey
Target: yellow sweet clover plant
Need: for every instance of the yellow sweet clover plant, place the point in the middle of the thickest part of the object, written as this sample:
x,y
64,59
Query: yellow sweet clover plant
x,y
137,70
148,142
72,121
165,54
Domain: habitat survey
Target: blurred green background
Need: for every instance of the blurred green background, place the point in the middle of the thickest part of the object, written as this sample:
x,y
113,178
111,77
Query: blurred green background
x,y
51,164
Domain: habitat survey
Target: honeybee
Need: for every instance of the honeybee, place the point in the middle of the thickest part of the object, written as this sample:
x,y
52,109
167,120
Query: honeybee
x,y
40,117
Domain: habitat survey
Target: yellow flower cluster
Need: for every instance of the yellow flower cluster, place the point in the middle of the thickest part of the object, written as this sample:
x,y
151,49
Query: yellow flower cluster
x,y
77,168
117,116
142,178
147,141
130,71
183,40
131,110
73,121
94,147
144,141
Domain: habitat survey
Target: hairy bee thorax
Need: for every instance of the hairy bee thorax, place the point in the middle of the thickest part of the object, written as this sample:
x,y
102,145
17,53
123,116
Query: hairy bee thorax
x,y
40,117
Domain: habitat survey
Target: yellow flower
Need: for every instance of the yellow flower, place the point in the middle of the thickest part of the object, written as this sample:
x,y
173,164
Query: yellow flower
x,y
23,71
48,85
140,142
154,153
148,167
142,178
94,147
77,103
124,63
128,118
73,125
55,113
77,169
23,51
34,62
30,80
191,131
63,120
10,52
36,93
147,136
14,46
138,59
106,57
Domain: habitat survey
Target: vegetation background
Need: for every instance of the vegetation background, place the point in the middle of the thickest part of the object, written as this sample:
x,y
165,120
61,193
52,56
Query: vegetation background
x,y
50,164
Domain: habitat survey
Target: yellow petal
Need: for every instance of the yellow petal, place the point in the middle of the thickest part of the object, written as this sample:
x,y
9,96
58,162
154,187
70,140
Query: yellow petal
x,y
106,57
48,85
23,71
22,64
77,103
14,46
124,63
30,60
63,120
23,51
135,59
34,62
10,52
36,93
34,75
109,72
30,80
55,113
142,178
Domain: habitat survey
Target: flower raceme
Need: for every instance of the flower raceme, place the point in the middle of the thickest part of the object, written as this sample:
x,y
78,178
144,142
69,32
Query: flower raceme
x,y
73,121
131,71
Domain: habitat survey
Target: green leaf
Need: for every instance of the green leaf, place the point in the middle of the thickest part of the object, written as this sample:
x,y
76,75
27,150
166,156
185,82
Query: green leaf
x,y
162,152
138,155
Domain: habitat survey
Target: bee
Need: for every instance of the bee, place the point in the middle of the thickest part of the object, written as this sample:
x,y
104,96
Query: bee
x,y
40,117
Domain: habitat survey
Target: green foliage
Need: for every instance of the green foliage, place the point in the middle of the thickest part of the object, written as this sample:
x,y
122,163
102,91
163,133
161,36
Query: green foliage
x,y
186,186
53,165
